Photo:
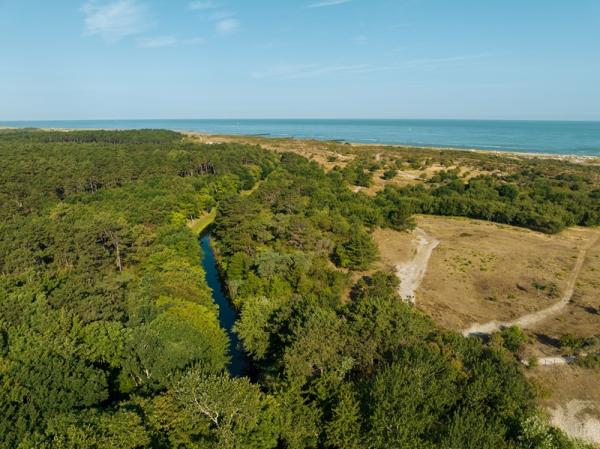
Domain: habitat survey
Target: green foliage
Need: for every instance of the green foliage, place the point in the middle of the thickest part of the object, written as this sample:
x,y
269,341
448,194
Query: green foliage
x,y
569,341
389,174
92,429
535,433
357,174
343,431
109,337
238,414
357,253
513,338
184,334
586,350
546,203
590,361
101,293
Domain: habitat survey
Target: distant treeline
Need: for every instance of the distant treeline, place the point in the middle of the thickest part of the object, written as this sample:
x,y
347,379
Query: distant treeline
x,y
93,136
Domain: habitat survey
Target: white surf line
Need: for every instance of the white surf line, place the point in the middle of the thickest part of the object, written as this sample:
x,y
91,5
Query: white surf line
x,y
411,273
535,317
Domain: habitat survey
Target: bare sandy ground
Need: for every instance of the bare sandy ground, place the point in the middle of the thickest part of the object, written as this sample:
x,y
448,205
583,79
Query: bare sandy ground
x,y
571,397
576,420
412,272
552,361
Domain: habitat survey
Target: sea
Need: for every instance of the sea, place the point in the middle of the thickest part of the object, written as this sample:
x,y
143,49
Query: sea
x,y
551,137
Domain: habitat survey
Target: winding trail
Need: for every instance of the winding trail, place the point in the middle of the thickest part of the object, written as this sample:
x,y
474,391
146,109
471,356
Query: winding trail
x,y
535,317
411,273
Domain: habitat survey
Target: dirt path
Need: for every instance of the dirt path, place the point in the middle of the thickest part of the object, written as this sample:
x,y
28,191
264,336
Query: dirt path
x,y
552,361
411,273
535,317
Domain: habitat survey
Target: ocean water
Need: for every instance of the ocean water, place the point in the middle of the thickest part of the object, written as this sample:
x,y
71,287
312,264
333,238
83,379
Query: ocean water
x,y
555,137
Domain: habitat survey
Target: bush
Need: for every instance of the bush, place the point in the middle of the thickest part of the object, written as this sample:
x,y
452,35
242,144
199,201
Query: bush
x,y
591,361
390,174
533,362
357,253
513,338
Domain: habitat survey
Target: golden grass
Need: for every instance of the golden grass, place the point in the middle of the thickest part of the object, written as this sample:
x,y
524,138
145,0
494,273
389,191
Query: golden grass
x,y
484,271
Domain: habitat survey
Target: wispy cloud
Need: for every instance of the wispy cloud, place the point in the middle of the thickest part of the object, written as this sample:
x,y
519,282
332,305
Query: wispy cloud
x,y
193,41
157,42
302,71
223,19
167,41
307,71
325,3
361,40
201,6
114,20
439,62
227,26
220,14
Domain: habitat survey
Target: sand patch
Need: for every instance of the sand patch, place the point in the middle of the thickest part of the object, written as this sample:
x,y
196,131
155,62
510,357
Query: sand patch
x,y
412,272
575,419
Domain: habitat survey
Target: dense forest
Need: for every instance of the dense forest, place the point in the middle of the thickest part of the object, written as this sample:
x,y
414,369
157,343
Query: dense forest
x,y
109,337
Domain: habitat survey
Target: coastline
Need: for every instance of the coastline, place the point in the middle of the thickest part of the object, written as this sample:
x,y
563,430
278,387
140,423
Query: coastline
x,y
219,138
573,158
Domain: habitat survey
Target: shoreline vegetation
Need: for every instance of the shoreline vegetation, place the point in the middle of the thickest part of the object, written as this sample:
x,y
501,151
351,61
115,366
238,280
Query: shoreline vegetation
x,y
109,335
581,159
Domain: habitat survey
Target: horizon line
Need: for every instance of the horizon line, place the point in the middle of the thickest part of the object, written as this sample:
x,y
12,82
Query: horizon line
x,y
304,119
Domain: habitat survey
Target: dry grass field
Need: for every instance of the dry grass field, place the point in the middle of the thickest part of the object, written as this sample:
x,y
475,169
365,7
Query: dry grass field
x,y
484,271
581,317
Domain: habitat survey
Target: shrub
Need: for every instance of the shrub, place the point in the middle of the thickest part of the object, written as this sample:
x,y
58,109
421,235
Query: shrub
x,y
513,338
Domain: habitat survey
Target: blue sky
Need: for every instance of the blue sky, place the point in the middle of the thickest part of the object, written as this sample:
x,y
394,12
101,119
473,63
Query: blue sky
x,y
505,59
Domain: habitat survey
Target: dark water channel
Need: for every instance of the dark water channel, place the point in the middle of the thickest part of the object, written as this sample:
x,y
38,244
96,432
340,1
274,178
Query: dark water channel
x,y
239,365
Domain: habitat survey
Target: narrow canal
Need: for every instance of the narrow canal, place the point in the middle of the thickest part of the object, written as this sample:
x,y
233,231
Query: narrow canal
x,y
239,365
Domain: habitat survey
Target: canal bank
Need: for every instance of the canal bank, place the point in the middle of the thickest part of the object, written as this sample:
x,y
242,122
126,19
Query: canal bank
x,y
239,365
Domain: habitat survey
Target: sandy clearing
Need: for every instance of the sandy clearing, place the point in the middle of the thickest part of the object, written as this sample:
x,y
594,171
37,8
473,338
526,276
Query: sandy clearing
x,y
571,398
574,419
412,272
536,317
